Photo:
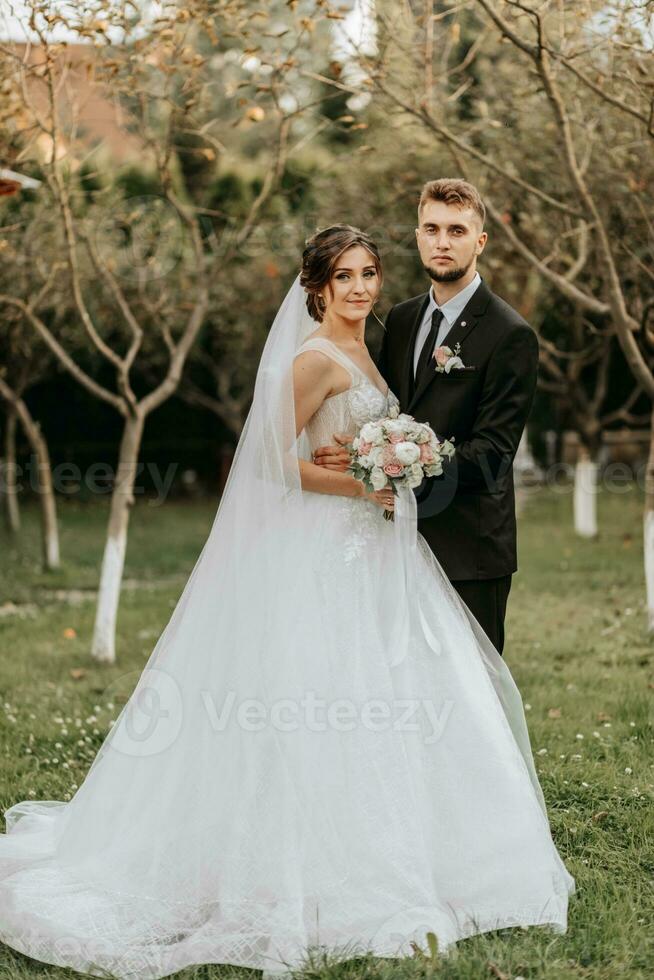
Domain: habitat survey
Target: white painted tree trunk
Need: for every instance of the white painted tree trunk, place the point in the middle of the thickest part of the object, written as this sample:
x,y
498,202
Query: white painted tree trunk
x,y
648,532
585,495
12,511
104,634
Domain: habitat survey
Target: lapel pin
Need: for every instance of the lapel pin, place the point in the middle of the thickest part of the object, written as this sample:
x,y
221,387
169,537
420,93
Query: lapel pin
x,y
463,323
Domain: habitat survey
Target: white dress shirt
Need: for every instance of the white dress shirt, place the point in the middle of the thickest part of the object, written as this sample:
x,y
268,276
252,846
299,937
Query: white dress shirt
x,y
451,311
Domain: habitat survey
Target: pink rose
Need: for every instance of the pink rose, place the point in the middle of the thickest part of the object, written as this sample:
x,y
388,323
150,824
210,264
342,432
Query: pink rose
x,y
389,455
364,448
442,355
393,469
426,455
395,437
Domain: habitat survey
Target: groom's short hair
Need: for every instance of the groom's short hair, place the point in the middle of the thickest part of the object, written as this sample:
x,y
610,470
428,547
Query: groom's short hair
x,y
453,190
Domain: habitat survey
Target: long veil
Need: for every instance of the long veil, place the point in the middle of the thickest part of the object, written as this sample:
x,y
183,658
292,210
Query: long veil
x,y
136,827
194,819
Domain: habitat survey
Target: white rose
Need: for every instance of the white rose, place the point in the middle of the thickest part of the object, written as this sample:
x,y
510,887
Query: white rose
x,y
377,478
394,426
377,456
407,453
372,433
454,362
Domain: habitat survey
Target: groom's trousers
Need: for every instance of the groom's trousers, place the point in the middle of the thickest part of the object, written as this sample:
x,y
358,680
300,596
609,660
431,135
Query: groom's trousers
x,y
486,600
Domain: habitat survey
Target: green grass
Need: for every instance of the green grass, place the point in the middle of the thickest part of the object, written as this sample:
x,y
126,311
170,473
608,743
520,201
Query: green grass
x,y
576,644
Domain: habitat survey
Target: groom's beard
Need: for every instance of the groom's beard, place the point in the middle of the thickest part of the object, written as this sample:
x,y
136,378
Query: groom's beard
x,y
448,275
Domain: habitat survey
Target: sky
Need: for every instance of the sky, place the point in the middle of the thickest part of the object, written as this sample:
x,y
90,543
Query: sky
x,y
14,17
355,29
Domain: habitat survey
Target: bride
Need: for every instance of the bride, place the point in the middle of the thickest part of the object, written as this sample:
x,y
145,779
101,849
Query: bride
x,y
324,748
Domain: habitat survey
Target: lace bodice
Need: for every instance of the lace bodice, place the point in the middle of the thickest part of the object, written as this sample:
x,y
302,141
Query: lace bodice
x,y
350,409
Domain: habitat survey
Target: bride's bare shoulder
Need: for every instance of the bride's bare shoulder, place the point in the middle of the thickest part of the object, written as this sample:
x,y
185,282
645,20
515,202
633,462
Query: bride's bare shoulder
x,y
314,369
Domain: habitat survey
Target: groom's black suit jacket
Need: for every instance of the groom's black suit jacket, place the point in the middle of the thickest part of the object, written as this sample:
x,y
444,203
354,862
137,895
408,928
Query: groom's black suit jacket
x,y
467,515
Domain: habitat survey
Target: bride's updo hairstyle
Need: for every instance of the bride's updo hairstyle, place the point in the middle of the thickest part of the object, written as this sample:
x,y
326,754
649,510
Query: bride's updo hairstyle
x,y
319,258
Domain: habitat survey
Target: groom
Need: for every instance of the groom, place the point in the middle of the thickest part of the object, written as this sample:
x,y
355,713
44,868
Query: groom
x,y
466,515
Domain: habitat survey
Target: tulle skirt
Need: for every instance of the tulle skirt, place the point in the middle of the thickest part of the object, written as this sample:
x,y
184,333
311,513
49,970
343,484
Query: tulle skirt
x,y
346,766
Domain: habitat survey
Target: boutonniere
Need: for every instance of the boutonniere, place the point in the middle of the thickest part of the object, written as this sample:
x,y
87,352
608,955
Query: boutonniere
x,y
446,358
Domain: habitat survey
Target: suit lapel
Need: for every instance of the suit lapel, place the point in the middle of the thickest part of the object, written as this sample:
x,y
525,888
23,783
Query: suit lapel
x,y
467,321
407,370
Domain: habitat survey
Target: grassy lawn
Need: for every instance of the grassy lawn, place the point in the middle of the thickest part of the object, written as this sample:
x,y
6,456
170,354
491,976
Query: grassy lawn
x,y
577,647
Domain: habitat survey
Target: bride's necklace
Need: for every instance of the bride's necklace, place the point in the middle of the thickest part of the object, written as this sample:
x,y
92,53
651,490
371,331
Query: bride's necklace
x,y
358,341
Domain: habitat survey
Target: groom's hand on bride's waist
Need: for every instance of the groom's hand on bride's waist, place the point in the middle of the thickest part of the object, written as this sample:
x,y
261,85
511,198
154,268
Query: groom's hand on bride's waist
x,y
334,457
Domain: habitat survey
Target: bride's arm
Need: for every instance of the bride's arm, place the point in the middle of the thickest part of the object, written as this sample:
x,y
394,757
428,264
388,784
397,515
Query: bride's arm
x,y
313,382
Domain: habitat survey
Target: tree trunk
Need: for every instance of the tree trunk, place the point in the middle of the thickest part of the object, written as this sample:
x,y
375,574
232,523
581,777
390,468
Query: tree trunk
x,y
648,531
45,489
111,573
585,495
49,529
12,512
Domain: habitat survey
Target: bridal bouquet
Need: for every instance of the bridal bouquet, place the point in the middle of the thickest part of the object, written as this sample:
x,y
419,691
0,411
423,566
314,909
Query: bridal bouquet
x,y
397,451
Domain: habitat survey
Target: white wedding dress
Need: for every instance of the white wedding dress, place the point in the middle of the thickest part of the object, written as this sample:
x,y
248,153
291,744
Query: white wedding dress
x,y
388,791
